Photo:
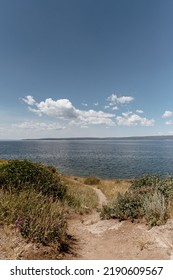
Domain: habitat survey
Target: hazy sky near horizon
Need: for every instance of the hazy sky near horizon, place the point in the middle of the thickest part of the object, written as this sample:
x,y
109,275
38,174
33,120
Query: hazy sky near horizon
x,y
86,68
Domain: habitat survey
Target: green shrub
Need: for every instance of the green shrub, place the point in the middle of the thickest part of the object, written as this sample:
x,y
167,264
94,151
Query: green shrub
x,y
165,186
146,180
147,197
107,212
19,174
125,206
92,181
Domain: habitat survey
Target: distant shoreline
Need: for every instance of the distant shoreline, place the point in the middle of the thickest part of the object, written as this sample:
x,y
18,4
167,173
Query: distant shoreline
x,y
163,137
154,137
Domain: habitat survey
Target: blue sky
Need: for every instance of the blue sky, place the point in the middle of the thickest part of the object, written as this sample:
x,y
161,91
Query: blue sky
x,y
86,68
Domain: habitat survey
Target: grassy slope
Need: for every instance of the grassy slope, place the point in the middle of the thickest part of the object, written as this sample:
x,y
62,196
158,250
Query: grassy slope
x,y
43,218
30,202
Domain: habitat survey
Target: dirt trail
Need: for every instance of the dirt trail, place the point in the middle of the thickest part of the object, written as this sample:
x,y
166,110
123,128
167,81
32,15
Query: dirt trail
x,y
102,198
98,239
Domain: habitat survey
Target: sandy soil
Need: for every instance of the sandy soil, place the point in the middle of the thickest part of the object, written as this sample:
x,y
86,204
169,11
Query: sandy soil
x,y
95,239
113,240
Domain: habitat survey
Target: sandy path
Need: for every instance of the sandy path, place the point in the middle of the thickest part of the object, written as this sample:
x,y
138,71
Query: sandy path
x,y
97,239
113,240
102,198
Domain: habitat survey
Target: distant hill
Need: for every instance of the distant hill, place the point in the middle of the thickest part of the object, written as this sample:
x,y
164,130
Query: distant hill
x,y
162,137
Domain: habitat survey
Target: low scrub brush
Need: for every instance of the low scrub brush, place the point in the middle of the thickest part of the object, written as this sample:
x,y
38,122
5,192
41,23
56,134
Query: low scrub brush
x,y
19,174
92,181
149,197
125,206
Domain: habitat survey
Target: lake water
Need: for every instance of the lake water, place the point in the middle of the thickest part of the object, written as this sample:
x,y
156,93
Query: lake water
x,y
103,158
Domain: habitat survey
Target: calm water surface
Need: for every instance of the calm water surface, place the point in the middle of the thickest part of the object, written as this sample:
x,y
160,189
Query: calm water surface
x,y
103,158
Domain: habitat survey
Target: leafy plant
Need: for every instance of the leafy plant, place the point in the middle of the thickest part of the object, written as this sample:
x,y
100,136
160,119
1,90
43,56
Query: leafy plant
x,y
165,186
146,180
125,206
149,197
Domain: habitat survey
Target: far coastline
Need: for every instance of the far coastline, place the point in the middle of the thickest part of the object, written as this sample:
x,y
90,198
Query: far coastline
x,y
154,137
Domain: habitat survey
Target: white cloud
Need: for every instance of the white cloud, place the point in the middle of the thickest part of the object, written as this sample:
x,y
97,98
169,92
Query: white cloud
x,y
123,99
64,109
93,117
169,122
139,111
61,108
167,114
85,104
130,119
106,107
29,100
115,108
96,104
126,114
38,125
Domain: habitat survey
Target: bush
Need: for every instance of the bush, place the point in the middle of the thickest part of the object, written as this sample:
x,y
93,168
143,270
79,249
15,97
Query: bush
x,y
125,206
19,174
166,187
155,183
146,180
149,197
107,212
92,181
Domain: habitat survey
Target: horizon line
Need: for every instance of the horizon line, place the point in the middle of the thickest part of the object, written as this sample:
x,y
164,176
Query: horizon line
x,y
88,137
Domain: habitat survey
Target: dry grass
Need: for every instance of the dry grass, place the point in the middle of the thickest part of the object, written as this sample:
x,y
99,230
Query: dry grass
x,y
14,247
38,218
111,188
85,198
80,197
3,161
